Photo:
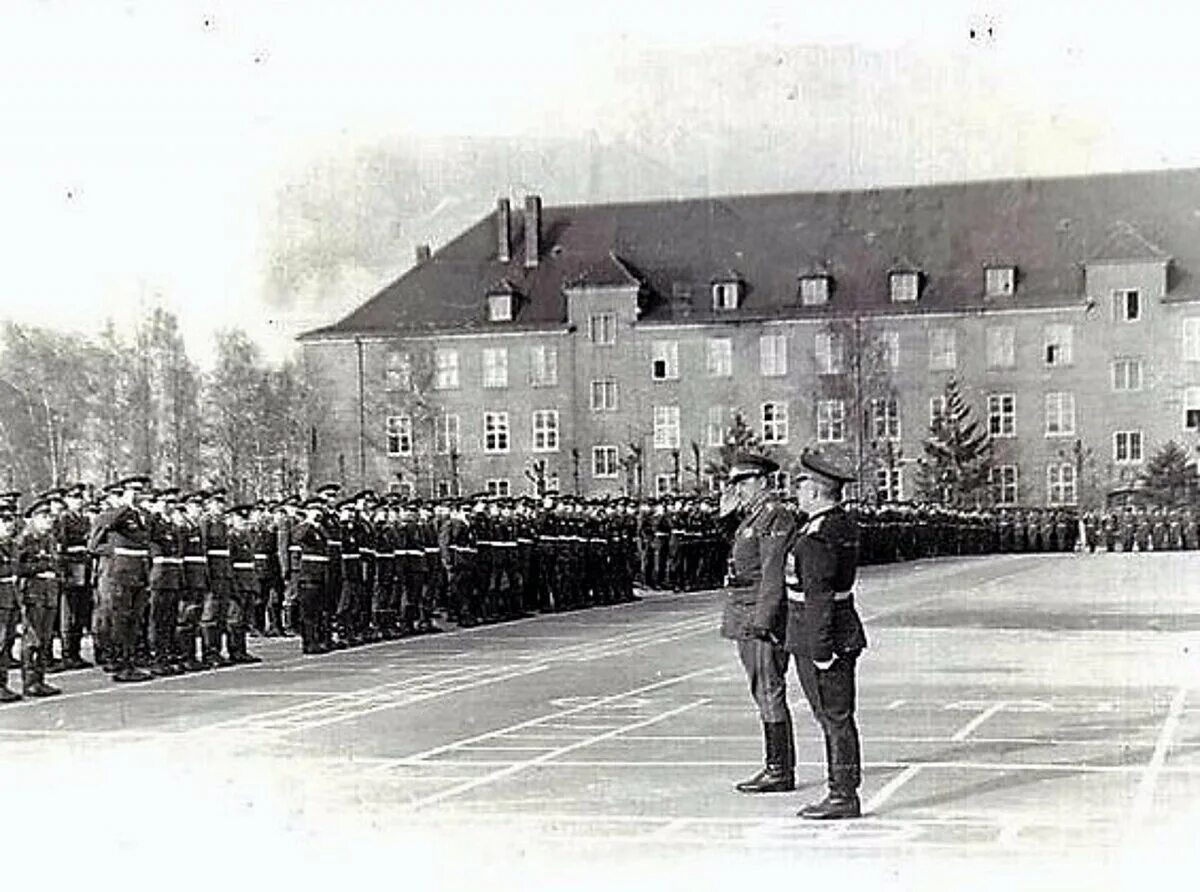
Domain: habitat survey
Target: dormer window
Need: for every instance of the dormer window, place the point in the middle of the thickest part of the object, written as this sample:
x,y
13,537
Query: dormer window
x,y
904,285
726,295
999,281
500,307
814,291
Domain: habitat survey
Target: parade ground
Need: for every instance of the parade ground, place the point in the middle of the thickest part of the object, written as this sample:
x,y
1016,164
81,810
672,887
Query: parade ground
x,y
1026,717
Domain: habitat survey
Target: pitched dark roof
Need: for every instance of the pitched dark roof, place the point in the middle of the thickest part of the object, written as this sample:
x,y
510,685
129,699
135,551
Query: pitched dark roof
x,y
1047,228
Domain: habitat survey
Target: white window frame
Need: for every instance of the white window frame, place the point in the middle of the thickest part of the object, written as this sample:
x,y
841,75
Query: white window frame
x,y
1005,491
889,484
1001,346
444,488
666,427
603,394
1191,404
999,281
720,357
904,287
831,421
498,486
774,418
943,349
497,433
398,434
446,369
1126,374
716,429
606,463
446,434
397,371
1121,303
891,348
1061,485
1060,413
883,416
545,430
1191,339
830,353
543,366
664,484
1002,415
726,295
814,291
602,329
495,368
500,308
772,355
666,353
1129,447
1058,345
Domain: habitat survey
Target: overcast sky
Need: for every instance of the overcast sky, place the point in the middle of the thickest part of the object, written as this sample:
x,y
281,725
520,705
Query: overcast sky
x,y
236,162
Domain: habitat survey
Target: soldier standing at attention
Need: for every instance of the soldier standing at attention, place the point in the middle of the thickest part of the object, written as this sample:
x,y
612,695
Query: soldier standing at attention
x,y
755,615
121,539
37,571
71,527
824,632
215,529
9,610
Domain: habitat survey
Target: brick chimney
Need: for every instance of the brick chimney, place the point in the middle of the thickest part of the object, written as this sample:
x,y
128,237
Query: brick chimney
x,y
503,231
533,230
423,253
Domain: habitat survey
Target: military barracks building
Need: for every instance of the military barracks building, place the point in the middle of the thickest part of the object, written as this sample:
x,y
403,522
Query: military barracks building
x,y
591,346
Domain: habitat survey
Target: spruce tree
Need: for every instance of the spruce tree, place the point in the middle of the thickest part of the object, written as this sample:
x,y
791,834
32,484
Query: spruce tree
x,y
740,439
958,455
1169,477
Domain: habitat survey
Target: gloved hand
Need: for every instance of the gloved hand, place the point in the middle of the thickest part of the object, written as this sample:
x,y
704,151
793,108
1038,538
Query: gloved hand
x,y
762,633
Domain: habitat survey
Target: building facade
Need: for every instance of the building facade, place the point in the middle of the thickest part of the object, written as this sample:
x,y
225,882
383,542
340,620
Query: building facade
x,y
608,348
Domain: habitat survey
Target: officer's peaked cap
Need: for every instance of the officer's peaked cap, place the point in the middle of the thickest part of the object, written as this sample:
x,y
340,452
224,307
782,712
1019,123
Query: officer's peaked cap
x,y
815,463
747,465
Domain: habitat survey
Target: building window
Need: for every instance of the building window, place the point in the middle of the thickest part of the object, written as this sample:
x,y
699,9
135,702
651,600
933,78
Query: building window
x,y
664,484
720,357
445,435
1191,339
1060,485
1001,347
889,342
495,367
543,366
552,483
444,488
446,363
1060,414
999,281
500,308
497,486
830,353
399,435
1191,408
725,295
814,290
889,485
942,354
1127,374
397,371
884,413
495,432
602,329
604,395
831,421
1127,305
1058,344
714,431
904,286
937,410
772,355
666,427
1004,484
545,430
1127,447
604,462
1002,414
774,423
664,360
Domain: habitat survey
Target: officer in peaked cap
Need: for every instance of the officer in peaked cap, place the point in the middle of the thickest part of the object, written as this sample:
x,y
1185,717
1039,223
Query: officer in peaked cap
x,y
121,538
37,573
755,615
71,528
824,632
10,608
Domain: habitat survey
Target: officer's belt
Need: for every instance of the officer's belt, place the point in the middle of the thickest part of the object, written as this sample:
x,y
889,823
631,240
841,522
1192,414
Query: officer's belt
x,y
243,565
319,558
163,559
130,552
8,579
194,559
798,596
260,556
46,574
76,549
218,552
350,555
334,543
431,549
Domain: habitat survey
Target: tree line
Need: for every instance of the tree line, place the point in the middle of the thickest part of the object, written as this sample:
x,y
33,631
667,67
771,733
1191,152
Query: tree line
x,y
96,407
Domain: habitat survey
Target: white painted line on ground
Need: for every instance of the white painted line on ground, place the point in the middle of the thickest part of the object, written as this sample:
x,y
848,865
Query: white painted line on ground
x,y
518,767
965,731
895,704
1145,791
891,788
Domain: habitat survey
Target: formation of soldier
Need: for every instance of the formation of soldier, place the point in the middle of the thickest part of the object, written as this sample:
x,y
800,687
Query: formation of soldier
x,y
1140,528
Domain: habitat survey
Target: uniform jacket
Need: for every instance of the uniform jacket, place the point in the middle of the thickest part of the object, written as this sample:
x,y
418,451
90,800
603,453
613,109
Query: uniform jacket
x,y
824,554
121,538
308,539
71,528
8,572
37,568
166,553
755,597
